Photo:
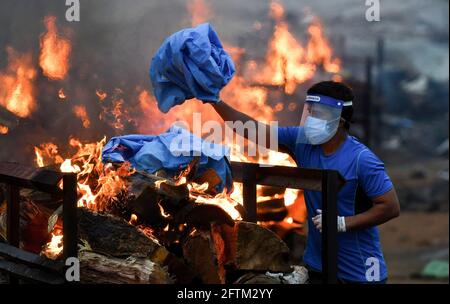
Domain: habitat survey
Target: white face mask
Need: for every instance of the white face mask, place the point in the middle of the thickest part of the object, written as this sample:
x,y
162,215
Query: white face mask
x,y
319,131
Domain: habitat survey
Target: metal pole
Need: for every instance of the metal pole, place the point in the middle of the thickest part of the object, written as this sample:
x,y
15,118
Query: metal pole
x,y
379,94
13,220
13,216
249,193
367,107
329,226
70,216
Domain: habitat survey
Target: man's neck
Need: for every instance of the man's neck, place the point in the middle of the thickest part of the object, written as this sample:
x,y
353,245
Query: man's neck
x,y
335,142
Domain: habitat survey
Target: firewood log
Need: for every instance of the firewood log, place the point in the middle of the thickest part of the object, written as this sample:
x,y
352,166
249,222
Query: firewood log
x,y
201,255
112,236
245,247
101,269
253,248
256,278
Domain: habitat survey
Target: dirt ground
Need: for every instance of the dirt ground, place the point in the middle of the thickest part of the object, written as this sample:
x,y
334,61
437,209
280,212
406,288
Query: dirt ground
x,y
412,240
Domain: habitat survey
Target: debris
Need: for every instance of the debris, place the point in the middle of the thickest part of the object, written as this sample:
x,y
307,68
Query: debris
x,y
435,269
298,276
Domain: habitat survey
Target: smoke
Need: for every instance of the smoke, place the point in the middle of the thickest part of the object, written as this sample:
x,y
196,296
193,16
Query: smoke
x,y
111,49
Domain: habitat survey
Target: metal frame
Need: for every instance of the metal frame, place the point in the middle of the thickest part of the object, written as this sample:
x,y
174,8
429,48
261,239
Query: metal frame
x,y
16,262
329,182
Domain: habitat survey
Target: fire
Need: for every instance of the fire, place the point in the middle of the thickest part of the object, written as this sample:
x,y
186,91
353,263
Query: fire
x,y
54,248
163,213
67,166
3,129
318,49
117,112
222,200
47,151
133,219
97,182
198,187
62,94
55,51
199,11
16,84
290,196
101,95
288,62
81,113
114,113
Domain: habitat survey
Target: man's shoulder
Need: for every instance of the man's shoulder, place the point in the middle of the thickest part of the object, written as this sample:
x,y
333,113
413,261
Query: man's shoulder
x,y
365,157
356,147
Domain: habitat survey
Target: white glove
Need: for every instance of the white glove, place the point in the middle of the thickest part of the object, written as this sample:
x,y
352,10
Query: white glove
x,y
317,220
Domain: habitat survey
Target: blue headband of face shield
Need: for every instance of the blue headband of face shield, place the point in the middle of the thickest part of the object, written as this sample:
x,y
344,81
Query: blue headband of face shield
x,y
327,100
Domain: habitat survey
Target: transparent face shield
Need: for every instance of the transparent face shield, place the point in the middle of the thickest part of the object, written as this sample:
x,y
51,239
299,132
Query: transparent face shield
x,y
320,121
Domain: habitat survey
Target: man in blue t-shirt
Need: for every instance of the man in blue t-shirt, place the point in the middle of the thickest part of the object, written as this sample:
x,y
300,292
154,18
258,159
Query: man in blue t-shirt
x,y
368,198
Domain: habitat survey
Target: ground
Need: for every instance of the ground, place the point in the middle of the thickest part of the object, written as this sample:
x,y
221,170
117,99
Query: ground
x,y
412,240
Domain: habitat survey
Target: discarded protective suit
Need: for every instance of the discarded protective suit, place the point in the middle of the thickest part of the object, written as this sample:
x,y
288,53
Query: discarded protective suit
x,y
190,63
171,151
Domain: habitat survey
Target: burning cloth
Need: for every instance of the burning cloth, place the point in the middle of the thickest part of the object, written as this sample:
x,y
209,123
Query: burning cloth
x,y
172,152
190,63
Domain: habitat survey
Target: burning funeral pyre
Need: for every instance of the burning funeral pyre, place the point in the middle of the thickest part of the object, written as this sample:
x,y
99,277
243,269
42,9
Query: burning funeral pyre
x,y
136,227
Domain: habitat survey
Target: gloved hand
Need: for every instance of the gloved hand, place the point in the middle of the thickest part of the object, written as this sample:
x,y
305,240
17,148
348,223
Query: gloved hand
x,y
317,220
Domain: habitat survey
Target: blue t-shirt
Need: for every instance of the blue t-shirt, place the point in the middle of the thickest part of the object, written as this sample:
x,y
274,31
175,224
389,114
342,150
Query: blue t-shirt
x,y
359,167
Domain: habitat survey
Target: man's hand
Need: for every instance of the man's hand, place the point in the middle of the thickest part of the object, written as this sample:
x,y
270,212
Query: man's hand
x,y
317,220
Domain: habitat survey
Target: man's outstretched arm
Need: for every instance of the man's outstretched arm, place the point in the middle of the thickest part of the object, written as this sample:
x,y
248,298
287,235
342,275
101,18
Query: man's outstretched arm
x,y
228,113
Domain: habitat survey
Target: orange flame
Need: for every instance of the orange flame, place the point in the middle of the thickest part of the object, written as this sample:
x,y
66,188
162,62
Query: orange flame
x,y
97,182
288,63
81,113
61,94
318,49
101,95
55,51
114,112
47,151
3,129
16,84
54,248
133,219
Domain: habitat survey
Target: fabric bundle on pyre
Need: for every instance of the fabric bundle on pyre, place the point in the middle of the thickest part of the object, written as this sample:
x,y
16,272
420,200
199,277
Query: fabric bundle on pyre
x,y
172,152
190,63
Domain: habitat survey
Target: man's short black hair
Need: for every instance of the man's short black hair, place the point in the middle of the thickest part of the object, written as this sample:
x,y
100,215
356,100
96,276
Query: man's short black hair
x,y
339,91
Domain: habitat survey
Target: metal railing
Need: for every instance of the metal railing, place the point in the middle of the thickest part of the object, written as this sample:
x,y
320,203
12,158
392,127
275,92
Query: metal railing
x,y
329,182
24,265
